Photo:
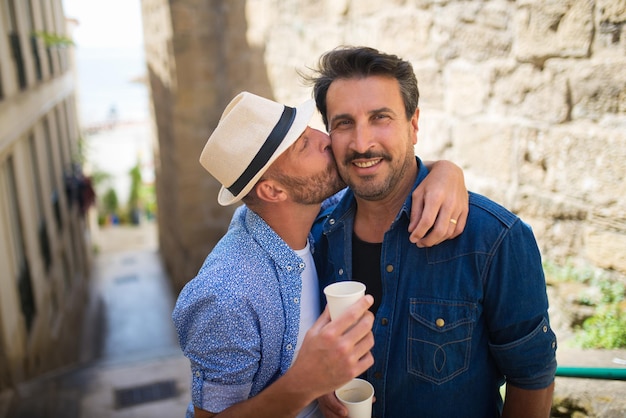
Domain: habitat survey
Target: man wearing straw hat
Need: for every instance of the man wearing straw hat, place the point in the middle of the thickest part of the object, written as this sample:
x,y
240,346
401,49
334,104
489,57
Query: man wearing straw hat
x,y
250,320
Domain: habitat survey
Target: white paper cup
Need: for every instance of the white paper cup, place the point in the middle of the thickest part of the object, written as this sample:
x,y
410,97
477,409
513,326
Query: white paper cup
x,y
357,396
341,295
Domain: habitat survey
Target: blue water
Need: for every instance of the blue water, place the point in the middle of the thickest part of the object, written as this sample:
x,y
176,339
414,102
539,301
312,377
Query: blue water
x,y
107,93
105,84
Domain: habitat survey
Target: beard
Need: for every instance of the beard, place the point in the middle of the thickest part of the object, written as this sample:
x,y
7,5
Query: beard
x,y
370,187
314,189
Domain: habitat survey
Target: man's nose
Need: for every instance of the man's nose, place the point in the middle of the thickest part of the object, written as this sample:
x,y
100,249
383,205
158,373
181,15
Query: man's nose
x,y
361,138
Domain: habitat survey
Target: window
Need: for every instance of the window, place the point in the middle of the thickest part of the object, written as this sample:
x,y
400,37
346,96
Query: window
x,y
34,42
46,29
1,86
24,280
62,132
16,48
42,227
57,24
52,175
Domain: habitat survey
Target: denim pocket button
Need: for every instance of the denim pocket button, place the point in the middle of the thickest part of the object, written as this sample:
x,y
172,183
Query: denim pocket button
x,y
439,334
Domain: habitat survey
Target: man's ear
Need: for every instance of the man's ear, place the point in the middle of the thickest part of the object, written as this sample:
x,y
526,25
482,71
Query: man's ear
x,y
270,191
414,125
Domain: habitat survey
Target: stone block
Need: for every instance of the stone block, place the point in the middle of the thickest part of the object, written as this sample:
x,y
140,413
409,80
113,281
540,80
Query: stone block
x,y
430,83
475,31
597,89
406,33
466,88
605,248
485,147
525,91
555,28
359,8
532,157
587,163
434,138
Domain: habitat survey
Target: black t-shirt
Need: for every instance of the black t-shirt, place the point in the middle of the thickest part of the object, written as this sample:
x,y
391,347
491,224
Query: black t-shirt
x,y
366,268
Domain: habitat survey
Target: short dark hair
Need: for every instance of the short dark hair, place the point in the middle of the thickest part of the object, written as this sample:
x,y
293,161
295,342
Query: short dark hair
x,y
347,62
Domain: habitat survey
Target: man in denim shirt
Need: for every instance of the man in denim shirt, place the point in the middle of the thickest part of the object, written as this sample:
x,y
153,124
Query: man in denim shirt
x,y
248,321
453,322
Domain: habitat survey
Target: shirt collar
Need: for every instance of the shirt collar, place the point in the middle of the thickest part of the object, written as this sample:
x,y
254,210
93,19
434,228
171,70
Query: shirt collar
x,y
275,247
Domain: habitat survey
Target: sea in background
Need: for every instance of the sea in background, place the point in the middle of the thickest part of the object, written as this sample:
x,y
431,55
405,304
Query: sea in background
x,y
111,80
113,107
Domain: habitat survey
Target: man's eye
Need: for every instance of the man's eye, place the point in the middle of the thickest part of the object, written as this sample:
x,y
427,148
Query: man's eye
x,y
342,124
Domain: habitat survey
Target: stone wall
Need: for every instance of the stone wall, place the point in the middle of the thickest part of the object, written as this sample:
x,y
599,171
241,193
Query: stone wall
x,y
528,97
198,59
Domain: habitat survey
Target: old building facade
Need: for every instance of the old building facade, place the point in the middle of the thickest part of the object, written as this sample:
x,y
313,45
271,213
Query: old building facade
x,y
529,97
44,249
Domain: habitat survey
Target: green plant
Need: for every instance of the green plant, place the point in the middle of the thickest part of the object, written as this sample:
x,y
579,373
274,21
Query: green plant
x,y
148,199
100,178
110,202
54,40
134,199
606,327
80,153
135,186
568,272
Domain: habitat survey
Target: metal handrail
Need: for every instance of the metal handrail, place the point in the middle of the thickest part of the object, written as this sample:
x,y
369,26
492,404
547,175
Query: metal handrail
x,y
605,373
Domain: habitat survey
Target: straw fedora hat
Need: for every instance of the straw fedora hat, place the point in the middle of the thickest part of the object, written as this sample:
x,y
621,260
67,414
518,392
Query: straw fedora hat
x,y
251,134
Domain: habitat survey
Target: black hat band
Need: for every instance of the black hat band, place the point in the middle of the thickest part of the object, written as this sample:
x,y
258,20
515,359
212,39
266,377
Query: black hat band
x,y
268,148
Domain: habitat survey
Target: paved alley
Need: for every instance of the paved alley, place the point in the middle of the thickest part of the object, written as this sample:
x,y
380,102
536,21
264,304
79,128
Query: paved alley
x,y
138,371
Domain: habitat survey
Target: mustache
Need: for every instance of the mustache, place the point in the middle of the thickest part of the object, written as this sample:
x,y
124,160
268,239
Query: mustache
x,y
365,156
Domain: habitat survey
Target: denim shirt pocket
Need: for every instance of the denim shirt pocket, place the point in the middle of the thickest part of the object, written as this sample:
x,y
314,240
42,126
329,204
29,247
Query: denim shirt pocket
x,y
439,338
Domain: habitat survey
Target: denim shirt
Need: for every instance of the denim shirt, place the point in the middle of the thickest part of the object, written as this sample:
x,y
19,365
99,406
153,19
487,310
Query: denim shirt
x,y
456,320
238,319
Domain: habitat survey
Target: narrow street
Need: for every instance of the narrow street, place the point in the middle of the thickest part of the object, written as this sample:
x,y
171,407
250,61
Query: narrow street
x,y
132,366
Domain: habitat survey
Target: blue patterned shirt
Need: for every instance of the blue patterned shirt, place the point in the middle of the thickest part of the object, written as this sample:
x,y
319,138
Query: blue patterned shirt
x,y
237,320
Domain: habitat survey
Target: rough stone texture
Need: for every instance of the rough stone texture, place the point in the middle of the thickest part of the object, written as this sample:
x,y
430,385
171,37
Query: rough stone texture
x,y
555,28
212,60
528,97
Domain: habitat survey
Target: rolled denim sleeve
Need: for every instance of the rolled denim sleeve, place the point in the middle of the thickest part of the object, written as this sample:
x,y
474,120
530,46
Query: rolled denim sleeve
x,y
516,309
529,362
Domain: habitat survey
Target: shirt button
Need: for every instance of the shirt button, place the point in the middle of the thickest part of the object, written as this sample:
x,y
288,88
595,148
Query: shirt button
x,y
289,347
553,344
384,321
301,265
440,322
331,221
545,328
296,300
389,268
288,268
340,272
197,374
